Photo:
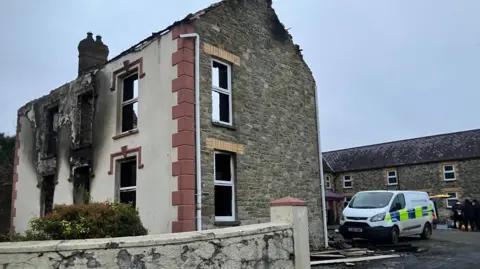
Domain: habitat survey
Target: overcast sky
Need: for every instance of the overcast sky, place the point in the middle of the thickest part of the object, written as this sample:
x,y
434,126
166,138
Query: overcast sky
x,y
386,70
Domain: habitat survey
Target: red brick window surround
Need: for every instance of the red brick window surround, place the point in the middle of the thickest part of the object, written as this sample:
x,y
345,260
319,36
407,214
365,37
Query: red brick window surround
x,y
124,153
126,69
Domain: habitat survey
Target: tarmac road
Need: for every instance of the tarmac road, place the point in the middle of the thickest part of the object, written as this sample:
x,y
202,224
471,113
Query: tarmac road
x,y
447,249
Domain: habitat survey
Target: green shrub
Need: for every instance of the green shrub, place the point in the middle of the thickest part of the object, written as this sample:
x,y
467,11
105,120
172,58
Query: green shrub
x,y
93,220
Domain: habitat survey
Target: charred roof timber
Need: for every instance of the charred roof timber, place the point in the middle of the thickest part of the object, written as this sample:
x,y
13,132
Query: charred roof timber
x,y
91,53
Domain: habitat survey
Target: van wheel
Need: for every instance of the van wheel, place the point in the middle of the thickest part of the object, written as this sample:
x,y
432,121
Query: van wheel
x,y
394,235
427,231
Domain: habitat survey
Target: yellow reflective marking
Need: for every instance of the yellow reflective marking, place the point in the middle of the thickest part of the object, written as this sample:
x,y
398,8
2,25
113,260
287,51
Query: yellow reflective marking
x,y
418,212
388,218
403,214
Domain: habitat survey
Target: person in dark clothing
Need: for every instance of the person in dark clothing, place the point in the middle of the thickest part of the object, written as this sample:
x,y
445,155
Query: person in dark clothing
x,y
468,214
476,207
457,215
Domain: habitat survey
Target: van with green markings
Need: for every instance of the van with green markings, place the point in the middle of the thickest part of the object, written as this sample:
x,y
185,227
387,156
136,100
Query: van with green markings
x,y
387,215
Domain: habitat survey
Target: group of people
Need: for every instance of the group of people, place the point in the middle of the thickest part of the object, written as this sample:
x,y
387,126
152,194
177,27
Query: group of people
x,y
466,215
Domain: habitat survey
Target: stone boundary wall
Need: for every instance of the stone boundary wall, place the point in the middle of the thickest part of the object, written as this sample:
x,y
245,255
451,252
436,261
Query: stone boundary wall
x,y
269,245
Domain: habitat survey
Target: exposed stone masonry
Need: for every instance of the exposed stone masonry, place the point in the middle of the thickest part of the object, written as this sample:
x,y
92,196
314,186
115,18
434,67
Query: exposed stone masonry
x,y
273,113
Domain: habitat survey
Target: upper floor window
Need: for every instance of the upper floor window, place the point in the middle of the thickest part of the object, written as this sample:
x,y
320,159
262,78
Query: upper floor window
x,y
328,183
130,103
392,177
52,128
347,182
448,172
221,92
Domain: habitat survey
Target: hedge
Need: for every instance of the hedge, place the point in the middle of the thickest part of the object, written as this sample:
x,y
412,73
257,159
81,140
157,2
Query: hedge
x,y
82,221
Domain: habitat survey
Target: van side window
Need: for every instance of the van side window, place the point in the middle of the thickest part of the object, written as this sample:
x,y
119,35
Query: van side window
x,y
399,199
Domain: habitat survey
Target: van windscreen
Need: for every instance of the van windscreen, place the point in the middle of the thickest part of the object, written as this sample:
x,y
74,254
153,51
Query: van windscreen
x,y
371,200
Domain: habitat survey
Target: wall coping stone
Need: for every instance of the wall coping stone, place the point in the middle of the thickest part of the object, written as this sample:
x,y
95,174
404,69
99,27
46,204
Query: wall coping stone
x,y
288,201
140,241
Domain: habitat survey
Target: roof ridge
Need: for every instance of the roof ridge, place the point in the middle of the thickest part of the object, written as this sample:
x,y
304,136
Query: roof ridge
x,y
403,140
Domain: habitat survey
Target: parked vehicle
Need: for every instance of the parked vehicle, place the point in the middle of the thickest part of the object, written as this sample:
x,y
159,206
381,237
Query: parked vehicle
x,y
380,215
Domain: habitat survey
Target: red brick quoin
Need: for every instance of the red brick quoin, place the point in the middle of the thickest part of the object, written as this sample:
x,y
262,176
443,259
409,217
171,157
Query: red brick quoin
x,y
16,161
184,139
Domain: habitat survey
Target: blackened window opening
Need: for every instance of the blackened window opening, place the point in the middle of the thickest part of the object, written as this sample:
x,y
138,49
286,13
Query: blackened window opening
x,y
86,105
48,190
128,181
52,135
81,185
130,103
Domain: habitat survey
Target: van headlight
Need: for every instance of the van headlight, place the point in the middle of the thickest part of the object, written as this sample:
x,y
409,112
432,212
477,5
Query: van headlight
x,y
342,218
378,217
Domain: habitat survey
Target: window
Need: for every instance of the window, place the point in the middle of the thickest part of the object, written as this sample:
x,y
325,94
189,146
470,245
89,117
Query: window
x,y
48,190
400,201
371,200
221,92
52,125
128,181
130,103
347,182
328,183
452,200
448,172
392,177
86,104
224,187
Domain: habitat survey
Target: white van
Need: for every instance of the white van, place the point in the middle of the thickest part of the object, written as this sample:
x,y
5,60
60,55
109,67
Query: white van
x,y
387,215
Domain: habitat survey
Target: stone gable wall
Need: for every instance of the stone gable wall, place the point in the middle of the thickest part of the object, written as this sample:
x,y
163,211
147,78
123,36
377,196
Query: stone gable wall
x,y
274,123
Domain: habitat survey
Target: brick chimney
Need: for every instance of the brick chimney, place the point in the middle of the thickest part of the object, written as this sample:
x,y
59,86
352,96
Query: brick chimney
x,y
91,53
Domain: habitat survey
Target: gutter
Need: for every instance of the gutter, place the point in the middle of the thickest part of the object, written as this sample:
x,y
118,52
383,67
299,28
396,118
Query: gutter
x,y
198,174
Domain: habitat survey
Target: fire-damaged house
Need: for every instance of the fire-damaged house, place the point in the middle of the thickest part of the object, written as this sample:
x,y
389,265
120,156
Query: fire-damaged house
x,y
199,126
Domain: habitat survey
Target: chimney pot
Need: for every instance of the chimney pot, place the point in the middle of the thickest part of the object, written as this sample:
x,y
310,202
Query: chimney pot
x,y
91,53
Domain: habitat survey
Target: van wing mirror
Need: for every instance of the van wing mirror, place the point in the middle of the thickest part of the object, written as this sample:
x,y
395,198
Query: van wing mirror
x,y
398,206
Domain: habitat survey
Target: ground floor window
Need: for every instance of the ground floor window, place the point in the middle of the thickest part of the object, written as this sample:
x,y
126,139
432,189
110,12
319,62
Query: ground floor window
x,y
127,191
452,200
224,186
48,190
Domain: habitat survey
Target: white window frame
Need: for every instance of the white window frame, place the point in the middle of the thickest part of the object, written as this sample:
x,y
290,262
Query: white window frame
x,y
328,183
224,91
350,180
389,177
128,102
450,171
451,198
230,183
129,188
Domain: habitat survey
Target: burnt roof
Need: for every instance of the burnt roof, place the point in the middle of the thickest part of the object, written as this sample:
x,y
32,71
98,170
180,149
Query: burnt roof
x,y
436,148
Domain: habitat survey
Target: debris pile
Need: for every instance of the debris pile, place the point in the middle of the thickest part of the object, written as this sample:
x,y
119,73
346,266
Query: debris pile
x,y
359,251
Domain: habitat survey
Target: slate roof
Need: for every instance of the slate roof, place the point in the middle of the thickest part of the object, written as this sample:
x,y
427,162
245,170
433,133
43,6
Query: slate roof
x,y
437,148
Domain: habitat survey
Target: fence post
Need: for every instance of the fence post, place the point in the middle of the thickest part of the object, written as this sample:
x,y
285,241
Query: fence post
x,y
294,211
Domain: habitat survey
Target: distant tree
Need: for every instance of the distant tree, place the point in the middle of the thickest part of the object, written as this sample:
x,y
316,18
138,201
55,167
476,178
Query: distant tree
x,y
7,148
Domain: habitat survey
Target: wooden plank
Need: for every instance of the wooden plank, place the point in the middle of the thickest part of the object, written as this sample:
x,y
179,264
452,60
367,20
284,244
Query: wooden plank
x,y
360,259
326,252
327,256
